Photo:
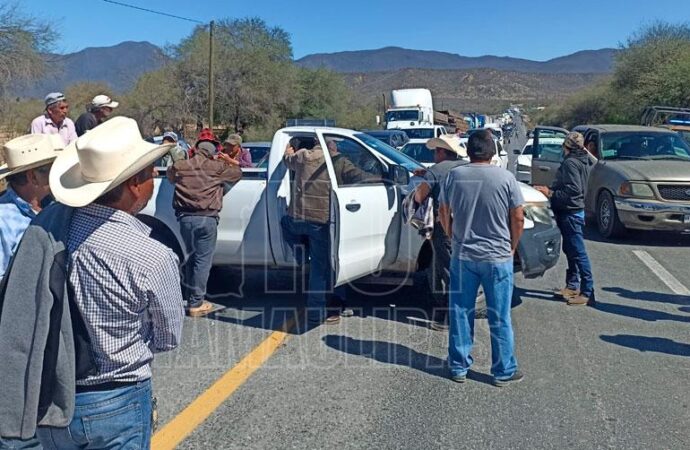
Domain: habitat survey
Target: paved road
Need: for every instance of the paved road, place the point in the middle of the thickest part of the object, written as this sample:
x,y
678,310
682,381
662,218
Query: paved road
x,y
613,377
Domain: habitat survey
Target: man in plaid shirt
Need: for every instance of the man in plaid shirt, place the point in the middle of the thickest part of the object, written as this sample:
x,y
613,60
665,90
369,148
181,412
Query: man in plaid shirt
x,y
125,284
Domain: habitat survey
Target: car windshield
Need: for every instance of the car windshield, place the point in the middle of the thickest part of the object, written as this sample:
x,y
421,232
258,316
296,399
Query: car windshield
x,y
420,133
527,150
389,152
259,154
644,145
402,115
418,152
685,135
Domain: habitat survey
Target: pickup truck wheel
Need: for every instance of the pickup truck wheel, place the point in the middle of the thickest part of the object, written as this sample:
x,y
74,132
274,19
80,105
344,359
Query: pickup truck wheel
x,y
608,223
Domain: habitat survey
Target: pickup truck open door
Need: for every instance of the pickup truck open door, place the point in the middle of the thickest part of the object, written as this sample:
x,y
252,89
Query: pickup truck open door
x,y
364,207
547,154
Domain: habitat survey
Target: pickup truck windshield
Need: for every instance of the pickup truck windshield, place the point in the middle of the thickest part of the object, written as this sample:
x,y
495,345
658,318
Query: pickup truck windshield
x,y
402,115
389,152
644,145
419,133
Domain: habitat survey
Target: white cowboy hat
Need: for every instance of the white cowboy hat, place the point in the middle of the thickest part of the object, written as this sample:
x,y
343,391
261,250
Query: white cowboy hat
x,y
101,160
449,142
28,152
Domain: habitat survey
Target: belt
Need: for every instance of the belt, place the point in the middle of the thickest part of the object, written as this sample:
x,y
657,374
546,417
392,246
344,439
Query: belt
x,y
108,386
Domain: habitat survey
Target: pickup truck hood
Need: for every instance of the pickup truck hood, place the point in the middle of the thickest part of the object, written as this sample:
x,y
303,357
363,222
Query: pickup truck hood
x,y
651,170
532,195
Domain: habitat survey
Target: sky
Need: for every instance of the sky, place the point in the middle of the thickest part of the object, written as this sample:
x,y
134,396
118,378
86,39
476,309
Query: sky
x,y
531,29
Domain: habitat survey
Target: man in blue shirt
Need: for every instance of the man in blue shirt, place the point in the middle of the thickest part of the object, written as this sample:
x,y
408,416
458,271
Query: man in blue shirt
x,y
27,164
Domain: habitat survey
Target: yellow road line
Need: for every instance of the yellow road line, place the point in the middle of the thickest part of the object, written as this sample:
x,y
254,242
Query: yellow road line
x,y
175,431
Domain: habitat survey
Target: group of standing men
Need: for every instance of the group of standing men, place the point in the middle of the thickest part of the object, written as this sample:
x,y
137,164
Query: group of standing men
x,y
480,222
105,293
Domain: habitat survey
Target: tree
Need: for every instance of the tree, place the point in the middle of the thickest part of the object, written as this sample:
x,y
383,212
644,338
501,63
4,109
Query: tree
x,y
654,68
23,42
254,73
80,95
157,101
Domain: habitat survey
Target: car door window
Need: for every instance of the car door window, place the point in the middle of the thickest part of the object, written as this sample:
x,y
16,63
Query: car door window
x,y
353,163
550,152
548,144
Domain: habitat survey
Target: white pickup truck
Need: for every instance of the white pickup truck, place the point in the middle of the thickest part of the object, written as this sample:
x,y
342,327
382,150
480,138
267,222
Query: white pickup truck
x,y
367,227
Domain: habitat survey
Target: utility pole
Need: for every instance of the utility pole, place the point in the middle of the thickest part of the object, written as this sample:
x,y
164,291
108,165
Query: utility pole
x,y
210,75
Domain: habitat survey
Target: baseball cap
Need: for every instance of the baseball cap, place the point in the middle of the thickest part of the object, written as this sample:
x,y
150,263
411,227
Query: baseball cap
x,y
54,97
574,141
207,147
170,135
101,101
234,139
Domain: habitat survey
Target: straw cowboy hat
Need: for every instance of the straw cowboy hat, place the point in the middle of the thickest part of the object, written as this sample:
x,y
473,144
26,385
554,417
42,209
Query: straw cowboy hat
x,y
28,152
101,160
448,142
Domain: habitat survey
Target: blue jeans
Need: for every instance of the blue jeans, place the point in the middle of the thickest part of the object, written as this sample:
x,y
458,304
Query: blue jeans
x,y
578,276
497,281
199,234
117,419
19,444
313,240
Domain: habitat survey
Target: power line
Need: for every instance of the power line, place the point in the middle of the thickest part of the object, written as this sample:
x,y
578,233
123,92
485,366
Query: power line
x,y
155,12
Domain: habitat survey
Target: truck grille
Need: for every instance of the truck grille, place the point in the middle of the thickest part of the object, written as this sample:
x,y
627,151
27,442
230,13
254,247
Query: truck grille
x,y
676,192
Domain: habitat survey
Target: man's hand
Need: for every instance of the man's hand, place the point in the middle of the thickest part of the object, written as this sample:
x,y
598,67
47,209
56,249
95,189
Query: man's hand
x,y
544,190
289,151
228,159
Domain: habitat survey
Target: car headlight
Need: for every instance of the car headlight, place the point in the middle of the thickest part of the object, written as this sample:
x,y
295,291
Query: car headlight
x,y
640,190
539,213
523,168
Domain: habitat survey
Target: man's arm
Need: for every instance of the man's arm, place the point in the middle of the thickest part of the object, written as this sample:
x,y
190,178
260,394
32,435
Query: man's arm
x,y
517,223
165,304
245,158
72,131
230,172
445,216
422,192
571,186
170,173
35,127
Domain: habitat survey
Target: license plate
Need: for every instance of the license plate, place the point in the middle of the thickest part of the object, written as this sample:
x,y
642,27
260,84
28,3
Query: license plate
x,y
686,218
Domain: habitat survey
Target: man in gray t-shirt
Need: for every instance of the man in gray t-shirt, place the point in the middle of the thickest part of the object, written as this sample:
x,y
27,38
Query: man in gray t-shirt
x,y
481,208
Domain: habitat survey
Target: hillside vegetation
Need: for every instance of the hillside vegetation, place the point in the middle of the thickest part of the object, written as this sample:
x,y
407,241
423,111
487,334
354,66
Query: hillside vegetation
x,y
653,68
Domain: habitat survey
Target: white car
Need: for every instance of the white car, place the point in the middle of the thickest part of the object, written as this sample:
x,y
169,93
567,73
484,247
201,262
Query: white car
x,y
522,168
417,150
500,158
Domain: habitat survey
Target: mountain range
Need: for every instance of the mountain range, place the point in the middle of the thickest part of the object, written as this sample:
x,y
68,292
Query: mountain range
x,y
396,58
452,78
118,66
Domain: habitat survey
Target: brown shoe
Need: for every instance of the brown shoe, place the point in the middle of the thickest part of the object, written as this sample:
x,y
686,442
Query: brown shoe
x,y
578,300
566,293
202,310
332,320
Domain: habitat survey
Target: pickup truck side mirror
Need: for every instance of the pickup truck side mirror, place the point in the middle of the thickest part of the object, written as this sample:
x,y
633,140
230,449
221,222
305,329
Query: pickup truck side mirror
x,y
398,175
503,153
517,151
